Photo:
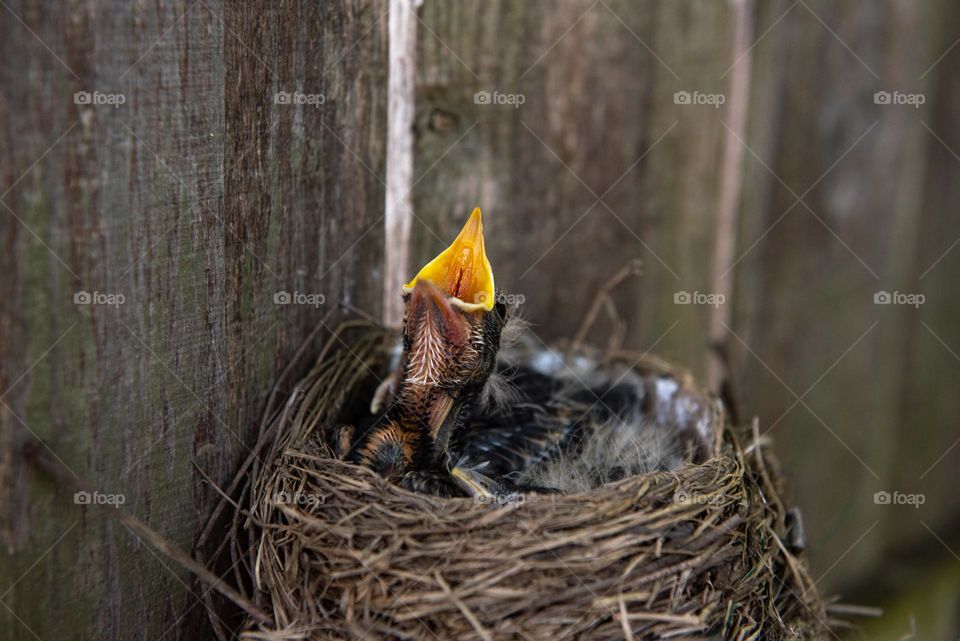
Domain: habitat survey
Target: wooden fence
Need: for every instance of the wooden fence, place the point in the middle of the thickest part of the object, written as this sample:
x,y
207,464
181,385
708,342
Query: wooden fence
x,y
247,159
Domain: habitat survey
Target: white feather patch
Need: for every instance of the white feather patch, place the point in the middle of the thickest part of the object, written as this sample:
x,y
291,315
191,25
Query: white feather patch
x,y
425,362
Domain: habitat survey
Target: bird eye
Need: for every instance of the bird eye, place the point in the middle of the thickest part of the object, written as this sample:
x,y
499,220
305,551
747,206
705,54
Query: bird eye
x,y
501,309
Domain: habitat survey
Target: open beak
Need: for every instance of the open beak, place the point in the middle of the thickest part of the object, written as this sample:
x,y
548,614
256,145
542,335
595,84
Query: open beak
x,y
462,270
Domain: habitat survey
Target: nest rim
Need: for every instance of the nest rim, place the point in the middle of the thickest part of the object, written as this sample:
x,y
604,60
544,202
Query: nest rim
x,y
747,580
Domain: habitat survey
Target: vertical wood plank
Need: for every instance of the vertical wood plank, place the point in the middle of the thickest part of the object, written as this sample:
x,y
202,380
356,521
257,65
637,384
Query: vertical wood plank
x,y
401,114
807,325
575,103
930,406
198,199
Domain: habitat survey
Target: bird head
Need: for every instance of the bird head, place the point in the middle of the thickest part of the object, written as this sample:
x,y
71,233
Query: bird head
x,y
451,329
452,321
451,335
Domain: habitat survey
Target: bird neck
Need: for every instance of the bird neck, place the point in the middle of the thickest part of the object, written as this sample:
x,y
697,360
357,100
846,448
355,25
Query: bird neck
x,y
435,410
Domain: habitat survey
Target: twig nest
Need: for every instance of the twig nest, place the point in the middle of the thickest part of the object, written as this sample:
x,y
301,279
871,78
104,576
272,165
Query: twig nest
x,y
339,552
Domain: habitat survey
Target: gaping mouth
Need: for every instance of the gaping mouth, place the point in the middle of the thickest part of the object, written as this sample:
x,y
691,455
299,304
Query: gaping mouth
x,y
462,270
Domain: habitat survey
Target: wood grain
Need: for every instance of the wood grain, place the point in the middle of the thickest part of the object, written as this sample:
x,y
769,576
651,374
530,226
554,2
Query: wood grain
x,y
596,167
198,200
202,196
831,217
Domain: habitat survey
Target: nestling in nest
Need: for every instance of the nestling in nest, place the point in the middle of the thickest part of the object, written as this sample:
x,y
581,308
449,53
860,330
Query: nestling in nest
x,y
435,486
460,421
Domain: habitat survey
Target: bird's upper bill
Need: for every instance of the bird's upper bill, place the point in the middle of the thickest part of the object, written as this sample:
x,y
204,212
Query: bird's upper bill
x,y
462,270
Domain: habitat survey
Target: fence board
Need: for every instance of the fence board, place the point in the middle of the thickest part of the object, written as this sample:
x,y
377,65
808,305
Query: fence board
x,y
197,199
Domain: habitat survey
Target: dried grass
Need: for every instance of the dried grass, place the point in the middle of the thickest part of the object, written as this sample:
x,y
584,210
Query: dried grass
x,y
332,551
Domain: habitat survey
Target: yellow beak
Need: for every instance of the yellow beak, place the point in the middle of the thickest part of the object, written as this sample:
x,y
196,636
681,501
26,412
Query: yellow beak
x,y
468,481
462,270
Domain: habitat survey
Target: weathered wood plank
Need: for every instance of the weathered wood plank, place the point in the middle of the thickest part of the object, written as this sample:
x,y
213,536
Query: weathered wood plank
x,y
930,405
197,199
200,197
809,271
595,98
598,118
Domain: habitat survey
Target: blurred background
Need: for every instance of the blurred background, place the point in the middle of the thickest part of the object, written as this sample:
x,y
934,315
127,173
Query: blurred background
x,y
785,171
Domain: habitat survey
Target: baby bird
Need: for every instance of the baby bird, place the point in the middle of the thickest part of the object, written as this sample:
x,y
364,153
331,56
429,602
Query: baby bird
x,y
459,416
580,424
451,334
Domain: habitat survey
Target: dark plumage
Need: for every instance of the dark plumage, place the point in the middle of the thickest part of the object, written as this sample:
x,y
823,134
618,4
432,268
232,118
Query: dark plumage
x,y
577,425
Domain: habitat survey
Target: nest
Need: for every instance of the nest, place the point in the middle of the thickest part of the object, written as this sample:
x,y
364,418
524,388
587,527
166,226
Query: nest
x,y
329,550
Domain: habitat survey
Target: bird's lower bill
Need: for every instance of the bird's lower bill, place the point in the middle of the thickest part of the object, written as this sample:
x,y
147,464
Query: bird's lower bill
x,y
473,483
